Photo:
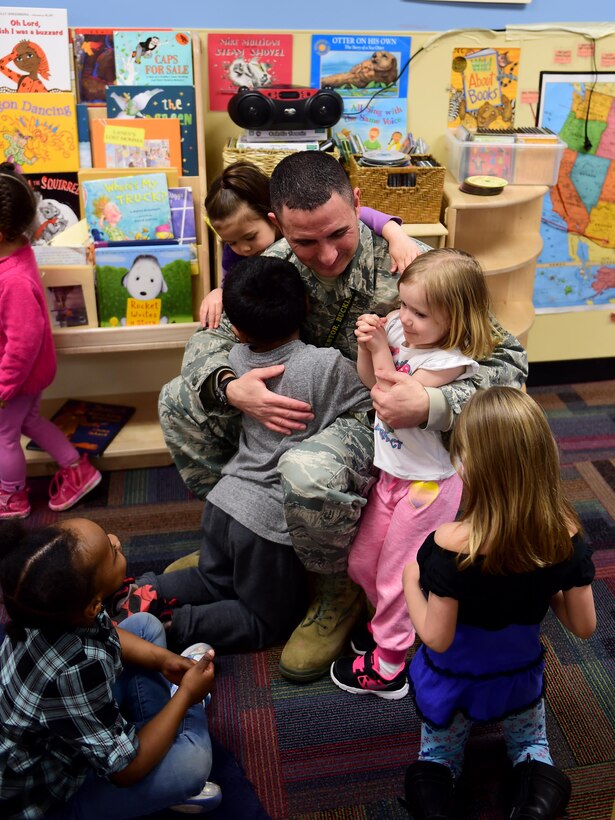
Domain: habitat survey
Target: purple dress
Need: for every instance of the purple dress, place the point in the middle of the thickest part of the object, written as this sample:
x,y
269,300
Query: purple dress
x,y
495,665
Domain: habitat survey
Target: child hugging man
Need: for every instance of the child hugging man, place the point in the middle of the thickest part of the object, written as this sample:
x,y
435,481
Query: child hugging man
x,y
248,590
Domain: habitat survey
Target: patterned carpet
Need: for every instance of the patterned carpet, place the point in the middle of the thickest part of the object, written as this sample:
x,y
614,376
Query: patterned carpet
x,y
316,753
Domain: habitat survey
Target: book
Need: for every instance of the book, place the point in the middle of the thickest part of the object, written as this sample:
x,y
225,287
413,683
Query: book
x,y
128,207
39,132
483,88
83,135
57,205
143,285
279,135
371,126
90,426
94,63
136,143
182,215
244,142
87,174
73,246
488,160
153,58
167,102
38,39
253,60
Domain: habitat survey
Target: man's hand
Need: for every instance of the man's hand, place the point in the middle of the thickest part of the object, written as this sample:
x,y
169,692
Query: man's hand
x,y
400,401
281,414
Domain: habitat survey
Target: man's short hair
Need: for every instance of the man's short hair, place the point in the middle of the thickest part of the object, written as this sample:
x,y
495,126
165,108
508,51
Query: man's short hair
x,y
305,180
264,297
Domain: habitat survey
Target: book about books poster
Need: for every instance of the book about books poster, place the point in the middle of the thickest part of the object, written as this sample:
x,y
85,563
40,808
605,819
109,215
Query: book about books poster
x,y
369,125
34,52
575,270
136,143
39,132
127,207
250,61
94,63
57,205
143,285
169,102
153,57
90,426
483,87
359,65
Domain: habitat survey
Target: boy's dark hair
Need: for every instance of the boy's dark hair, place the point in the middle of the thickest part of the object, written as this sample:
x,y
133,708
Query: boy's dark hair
x,y
17,202
241,183
43,581
264,297
305,180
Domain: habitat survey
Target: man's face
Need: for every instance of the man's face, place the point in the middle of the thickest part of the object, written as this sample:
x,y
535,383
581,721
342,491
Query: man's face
x,y
325,239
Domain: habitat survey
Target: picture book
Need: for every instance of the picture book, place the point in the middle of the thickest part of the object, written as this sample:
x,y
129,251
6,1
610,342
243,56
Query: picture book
x,y
94,63
153,57
483,87
130,207
168,102
57,205
73,246
90,426
87,174
182,215
357,65
143,285
136,143
254,60
39,132
34,52
488,160
371,125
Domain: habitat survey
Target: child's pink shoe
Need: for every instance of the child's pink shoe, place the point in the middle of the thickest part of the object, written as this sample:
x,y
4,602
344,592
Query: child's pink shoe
x,y
14,505
71,483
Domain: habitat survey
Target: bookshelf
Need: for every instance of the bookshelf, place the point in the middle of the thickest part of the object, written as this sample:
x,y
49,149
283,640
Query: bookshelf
x,y
129,365
503,233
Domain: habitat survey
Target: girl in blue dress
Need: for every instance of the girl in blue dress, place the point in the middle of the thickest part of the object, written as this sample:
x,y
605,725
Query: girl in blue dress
x,y
477,595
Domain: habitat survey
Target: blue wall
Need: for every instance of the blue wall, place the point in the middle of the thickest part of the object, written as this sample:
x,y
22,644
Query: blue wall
x,y
324,15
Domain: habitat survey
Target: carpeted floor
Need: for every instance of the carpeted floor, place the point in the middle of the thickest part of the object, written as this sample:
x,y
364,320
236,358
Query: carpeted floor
x,y
316,753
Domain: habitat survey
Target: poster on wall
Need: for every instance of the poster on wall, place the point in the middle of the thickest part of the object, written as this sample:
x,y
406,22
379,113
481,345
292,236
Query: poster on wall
x,y
576,267
250,61
483,87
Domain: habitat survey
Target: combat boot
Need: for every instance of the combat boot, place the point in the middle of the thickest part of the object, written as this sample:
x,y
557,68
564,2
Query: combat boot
x,y
190,560
321,636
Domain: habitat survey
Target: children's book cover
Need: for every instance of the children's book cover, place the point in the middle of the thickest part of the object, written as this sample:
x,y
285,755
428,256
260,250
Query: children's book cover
x,y
254,60
57,205
370,125
169,102
88,174
34,53
153,57
488,160
143,285
94,63
136,143
90,426
483,87
127,207
182,215
39,132
357,65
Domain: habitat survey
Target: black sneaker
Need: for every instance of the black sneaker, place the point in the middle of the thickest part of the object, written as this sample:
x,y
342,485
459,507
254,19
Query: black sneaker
x,y
130,599
358,676
362,639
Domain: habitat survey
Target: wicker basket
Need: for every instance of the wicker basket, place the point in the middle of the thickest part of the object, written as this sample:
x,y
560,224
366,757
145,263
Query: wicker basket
x,y
264,160
419,204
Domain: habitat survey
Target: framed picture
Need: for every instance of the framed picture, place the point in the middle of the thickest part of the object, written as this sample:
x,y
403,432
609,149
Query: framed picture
x,y
575,270
70,295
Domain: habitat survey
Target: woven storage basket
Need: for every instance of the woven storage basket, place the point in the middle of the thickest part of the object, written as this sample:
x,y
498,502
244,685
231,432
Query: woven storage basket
x,y
420,203
264,160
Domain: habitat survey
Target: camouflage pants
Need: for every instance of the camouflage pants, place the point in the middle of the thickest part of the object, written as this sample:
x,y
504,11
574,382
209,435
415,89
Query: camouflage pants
x,y
325,478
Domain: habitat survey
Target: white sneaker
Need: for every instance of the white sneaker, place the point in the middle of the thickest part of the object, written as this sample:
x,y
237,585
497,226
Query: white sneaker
x,y
196,652
206,800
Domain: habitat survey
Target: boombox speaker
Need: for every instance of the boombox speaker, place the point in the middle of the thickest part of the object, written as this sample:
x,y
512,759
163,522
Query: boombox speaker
x,y
286,108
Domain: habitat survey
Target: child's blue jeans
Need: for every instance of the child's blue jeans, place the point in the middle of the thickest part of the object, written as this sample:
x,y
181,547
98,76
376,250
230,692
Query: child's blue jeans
x,y
183,771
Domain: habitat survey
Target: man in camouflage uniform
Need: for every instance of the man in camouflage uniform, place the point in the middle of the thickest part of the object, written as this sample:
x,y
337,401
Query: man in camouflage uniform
x,y
346,271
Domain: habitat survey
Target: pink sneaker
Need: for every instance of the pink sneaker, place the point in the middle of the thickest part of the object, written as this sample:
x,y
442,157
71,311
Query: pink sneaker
x,y
14,505
71,483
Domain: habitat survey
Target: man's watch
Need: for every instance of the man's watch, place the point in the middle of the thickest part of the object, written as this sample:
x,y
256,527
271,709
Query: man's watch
x,y
223,379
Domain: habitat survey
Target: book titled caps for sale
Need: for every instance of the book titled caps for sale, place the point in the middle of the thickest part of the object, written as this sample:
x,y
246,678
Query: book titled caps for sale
x,y
90,426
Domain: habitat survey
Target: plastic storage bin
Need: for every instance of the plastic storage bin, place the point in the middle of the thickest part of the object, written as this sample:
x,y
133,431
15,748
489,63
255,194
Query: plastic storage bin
x,y
521,163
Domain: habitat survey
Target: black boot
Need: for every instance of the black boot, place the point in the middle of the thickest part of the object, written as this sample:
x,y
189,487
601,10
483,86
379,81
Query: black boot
x,y
430,791
540,791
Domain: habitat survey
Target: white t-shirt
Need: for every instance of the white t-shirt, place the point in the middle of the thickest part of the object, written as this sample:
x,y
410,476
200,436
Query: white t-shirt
x,y
413,453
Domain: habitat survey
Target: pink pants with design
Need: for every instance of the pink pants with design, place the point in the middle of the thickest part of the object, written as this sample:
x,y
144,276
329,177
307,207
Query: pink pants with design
x,y
398,517
21,415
